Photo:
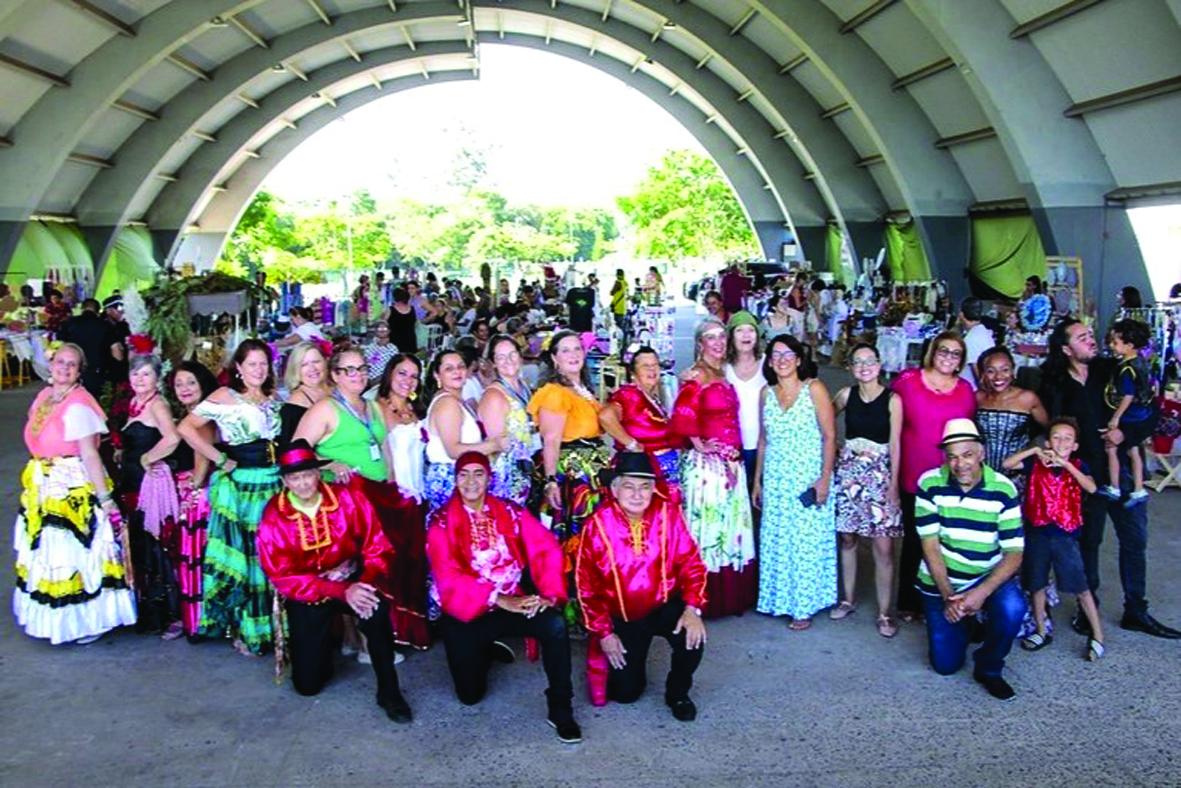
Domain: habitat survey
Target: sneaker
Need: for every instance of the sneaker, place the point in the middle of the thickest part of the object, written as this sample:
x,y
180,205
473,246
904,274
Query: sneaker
x,y
364,658
684,710
1110,492
1135,498
567,728
996,686
86,641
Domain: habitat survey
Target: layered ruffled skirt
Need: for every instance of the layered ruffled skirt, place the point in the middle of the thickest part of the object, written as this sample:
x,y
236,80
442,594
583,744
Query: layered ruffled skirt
x,y
70,580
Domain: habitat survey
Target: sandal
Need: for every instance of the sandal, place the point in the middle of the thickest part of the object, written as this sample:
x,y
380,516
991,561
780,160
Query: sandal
x,y
175,631
800,624
842,610
886,627
1095,650
240,647
1037,641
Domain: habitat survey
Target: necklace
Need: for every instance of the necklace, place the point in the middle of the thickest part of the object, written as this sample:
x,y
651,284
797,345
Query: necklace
x,y
41,414
653,401
136,408
403,414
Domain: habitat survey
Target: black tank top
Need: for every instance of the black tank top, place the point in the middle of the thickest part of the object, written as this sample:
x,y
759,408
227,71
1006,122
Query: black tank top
x,y
868,420
402,330
138,440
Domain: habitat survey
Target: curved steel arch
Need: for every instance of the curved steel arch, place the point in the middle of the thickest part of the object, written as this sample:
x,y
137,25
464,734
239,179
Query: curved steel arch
x,y
177,201
52,128
110,195
173,206
226,207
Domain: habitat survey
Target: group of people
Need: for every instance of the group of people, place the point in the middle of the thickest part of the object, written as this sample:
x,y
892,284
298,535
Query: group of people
x,y
424,507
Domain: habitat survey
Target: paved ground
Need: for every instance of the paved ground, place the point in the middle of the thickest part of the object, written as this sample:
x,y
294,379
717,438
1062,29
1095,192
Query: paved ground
x,y
837,705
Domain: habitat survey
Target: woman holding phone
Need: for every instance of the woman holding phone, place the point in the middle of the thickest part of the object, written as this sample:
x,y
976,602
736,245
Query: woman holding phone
x,y
797,451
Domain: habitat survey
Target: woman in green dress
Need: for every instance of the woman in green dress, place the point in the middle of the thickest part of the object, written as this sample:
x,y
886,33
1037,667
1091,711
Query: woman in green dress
x,y
350,431
237,596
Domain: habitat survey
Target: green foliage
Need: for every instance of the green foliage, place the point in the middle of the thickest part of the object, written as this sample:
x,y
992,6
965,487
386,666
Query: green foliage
x,y
684,208
169,322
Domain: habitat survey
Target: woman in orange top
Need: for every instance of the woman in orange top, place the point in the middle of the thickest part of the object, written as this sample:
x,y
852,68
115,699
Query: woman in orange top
x,y
567,416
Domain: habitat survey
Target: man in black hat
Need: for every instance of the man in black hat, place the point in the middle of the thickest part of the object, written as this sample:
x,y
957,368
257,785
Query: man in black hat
x,y
115,363
639,576
323,550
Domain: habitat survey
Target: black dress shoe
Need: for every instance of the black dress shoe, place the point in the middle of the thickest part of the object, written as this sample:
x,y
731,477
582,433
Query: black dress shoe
x,y
1149,626
996,686
396,707
503,653
684,710
568,730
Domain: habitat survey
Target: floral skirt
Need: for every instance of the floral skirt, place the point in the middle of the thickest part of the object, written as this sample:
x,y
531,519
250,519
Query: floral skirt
x,y
717,509
70,576
862,486
237,596
512,479
438,482
578,469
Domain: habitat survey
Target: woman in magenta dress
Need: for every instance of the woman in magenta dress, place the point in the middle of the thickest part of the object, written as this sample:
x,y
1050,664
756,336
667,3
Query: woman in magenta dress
x,y
637,417
713,478
930,397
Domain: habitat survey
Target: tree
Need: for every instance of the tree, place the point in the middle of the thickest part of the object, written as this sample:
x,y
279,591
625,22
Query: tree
x,y
684,208
265,224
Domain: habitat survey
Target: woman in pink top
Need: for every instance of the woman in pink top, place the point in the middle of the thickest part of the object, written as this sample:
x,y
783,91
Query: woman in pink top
x,y
930,396
713,479
70,580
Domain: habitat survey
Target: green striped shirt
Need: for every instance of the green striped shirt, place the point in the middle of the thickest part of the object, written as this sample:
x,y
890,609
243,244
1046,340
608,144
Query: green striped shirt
x,y
973,527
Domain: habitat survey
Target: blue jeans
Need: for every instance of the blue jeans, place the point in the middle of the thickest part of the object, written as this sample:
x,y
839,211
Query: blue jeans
x,y
948,643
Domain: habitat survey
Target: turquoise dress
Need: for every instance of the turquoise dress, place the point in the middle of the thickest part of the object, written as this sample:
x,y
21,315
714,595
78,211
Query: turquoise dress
x,y
797,551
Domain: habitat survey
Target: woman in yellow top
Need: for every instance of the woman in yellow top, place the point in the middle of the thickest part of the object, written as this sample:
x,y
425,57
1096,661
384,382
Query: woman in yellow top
x,y
567,416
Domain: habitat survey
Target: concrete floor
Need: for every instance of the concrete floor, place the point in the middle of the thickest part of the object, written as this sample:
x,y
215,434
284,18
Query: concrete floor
x,y
837,705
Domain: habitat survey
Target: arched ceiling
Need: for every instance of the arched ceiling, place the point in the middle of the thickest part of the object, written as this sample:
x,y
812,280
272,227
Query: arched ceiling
x,y
819,111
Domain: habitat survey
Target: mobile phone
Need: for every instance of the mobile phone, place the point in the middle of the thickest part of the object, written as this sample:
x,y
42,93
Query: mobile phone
x,y
808,497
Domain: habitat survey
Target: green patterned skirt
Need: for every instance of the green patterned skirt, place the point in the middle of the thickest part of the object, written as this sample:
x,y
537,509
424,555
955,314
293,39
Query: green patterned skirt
x,y
237,595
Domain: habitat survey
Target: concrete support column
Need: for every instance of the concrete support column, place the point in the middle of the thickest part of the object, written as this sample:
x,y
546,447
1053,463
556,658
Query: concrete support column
x,y
100,240
948,243
10,236
810,240
1103,237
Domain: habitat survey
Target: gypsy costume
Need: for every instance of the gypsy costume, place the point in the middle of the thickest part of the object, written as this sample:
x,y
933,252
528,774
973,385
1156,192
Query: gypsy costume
x,y
357,442
582,458
312,554
646,420
717,507
634,579
512,469
156,588
406,444
237,597
187,543
1005,432
70,581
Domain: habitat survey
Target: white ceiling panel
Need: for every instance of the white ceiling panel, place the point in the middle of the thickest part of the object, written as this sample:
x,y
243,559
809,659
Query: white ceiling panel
x,y
21,91
887,186
160,83
825,93
987,170
151,189
219,44
38,37
901,40
948,102
770,39
847,9
109,131
1113,46
855,132
1141,140
69,182
274,17
1025,10
179,153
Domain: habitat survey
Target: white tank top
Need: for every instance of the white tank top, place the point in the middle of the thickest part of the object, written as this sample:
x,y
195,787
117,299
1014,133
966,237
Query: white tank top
x,y
469,432
748,405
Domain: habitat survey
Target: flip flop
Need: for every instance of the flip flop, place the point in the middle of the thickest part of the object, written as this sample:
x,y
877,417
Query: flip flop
x,y
1037,642
886,627
1095,650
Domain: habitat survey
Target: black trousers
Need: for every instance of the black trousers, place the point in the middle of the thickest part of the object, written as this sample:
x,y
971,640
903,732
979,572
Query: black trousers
x,y
469,652
311,645
627,684
909,599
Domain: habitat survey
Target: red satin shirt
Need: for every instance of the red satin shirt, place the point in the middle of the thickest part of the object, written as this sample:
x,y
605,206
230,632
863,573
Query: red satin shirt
x,y
615,580
709,411
1053,497
295,550
643,420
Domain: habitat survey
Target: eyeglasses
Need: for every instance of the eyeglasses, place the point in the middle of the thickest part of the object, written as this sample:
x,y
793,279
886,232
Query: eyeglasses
x,y
713,335
512,355
352,371
864,362
783,355
947,352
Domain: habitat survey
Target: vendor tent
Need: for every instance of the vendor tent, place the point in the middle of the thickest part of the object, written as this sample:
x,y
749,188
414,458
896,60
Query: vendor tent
x,y
905,255
1005,251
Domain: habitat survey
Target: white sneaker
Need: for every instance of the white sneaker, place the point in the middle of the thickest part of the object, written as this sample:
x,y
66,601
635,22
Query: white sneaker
x,y
86,641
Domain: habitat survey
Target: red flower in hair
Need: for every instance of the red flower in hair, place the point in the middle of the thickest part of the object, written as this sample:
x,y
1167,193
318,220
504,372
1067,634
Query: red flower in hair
x,y
141,344
325,347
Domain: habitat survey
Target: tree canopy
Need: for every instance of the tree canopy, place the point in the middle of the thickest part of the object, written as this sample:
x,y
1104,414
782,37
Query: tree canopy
x,y
683,208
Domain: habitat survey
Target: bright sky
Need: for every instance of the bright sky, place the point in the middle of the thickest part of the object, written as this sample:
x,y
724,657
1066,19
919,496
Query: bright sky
x,y
556,132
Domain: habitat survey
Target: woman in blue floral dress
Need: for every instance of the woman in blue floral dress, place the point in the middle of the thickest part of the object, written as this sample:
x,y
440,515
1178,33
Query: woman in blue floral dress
x,y
797,451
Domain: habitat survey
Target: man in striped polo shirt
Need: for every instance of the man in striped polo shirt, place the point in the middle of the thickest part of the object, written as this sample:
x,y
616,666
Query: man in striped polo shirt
x,y
968,517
